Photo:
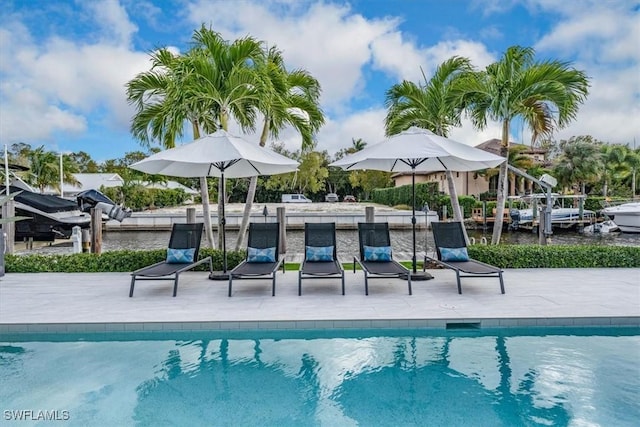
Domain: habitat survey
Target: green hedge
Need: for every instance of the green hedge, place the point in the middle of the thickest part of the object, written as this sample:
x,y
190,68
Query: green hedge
x,y
112,261
557,256
505,256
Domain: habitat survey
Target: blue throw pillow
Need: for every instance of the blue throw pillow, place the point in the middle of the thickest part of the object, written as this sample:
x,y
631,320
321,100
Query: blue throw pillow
x,y
261,255
180,256
319,253
454,254
377,253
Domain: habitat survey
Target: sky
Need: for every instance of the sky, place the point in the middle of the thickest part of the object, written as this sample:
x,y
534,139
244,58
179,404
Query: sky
x,y
64,64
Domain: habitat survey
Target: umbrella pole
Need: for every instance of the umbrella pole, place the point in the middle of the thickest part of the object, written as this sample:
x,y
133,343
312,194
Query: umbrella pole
x,y
224,275
413,217
224,226
414,273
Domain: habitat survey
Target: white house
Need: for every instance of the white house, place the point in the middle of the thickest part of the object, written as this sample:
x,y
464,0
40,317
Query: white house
x,y
88,181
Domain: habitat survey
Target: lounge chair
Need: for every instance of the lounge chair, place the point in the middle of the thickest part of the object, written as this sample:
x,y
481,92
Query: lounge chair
x,y
451,249
320,255
376,258
182,255
263,258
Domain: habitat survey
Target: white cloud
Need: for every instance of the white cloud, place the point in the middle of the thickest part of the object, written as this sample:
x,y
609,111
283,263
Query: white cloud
x,y
55,85
113,21
470,136
338,133
63,84
328,40
27,117
602,38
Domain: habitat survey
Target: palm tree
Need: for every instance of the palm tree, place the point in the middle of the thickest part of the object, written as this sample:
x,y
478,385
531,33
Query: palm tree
x,y
230,84
614,158
429,106
356,145
44,169
207,86
162,111
544,95
69,168
580,162
633,162
287,98
520,161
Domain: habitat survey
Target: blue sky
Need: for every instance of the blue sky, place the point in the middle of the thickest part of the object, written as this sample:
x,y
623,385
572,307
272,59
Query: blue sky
x,y
64,63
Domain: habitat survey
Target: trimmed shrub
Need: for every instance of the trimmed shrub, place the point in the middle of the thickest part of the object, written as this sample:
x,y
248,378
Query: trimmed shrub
x,y
557,256
504,256
112,261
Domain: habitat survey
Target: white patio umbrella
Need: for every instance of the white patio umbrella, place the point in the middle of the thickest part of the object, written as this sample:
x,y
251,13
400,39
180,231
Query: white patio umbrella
x,y
419,150
219,154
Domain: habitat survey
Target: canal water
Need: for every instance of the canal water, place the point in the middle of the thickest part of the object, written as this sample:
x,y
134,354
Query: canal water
x,y
347,241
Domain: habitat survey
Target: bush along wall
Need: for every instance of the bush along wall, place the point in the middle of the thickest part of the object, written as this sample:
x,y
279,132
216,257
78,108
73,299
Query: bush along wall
x,y
112,261
504,256
557,256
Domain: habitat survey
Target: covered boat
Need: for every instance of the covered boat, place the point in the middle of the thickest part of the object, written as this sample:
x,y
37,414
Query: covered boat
x,y
626,216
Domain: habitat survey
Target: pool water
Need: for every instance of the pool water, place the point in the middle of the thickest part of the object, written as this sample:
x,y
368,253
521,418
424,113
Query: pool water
x,y
533,377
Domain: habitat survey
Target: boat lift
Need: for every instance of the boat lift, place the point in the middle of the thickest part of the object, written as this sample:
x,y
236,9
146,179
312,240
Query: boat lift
x,y
546,182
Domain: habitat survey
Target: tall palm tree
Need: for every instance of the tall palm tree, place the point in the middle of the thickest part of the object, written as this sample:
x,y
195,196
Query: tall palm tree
x,y
544,95
163,110
429,106
229,82
287,99
207,86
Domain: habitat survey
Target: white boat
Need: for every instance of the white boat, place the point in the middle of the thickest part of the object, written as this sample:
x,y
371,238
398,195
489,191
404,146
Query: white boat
x,y
607,226
558,215
626,216
561,216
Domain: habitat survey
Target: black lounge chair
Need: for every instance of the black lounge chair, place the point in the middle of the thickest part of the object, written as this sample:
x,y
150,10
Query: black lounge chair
x,y
320,255
449,235
183,237
375,236
263,258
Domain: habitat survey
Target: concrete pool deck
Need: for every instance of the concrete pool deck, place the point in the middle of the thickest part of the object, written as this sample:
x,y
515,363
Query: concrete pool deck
x,y
97,302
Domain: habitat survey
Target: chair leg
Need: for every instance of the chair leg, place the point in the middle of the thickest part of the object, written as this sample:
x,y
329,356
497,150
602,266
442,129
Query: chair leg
x,y
343,283
273,286
409,283
299,283
230,281
501,282
175,285
133,283
366,284
459,284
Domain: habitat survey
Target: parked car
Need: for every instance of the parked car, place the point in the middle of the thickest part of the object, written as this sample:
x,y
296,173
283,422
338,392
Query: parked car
x,y
294,198
349,198
331,197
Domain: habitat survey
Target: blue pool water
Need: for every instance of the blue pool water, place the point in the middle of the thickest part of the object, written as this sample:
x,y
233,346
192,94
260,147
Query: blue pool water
x,y
534,377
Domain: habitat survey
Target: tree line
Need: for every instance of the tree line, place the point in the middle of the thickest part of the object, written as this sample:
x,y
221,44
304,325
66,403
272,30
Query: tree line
x,y
582,165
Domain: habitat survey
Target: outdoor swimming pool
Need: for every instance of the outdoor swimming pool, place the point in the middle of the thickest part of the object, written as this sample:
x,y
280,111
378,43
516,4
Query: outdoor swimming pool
x,y
510,377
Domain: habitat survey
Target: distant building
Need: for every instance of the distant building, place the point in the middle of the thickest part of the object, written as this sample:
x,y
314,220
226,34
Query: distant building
x,y
87,181
469,183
